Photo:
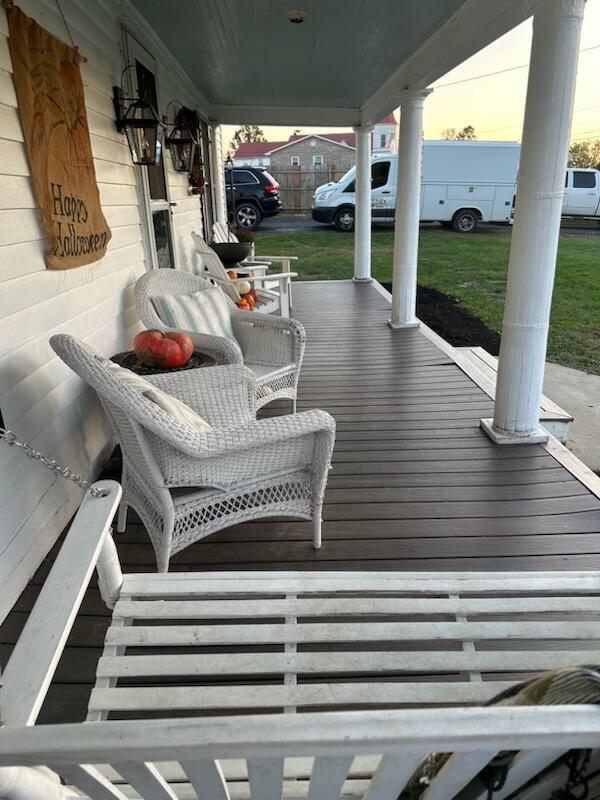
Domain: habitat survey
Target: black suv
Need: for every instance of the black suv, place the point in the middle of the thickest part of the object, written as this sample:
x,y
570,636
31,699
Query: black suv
x,y
256,195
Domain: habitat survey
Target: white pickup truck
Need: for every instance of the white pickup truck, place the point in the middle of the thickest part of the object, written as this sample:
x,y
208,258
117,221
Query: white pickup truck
x,y
582,193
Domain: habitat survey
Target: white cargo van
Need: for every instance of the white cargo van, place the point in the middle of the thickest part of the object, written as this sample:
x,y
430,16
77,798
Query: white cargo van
x,y
463,183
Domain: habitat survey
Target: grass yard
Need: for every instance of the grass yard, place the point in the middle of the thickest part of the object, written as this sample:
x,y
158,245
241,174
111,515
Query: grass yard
x,y
472,269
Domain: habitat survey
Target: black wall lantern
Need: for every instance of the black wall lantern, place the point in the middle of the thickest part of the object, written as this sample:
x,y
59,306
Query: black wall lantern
x,y
143,128
183,139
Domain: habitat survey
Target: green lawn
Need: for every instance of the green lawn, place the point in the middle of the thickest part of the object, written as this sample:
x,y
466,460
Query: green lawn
x,y
472,269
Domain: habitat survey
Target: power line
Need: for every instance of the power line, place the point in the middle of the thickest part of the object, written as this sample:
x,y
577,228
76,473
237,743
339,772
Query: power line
x,y
501,71
518,124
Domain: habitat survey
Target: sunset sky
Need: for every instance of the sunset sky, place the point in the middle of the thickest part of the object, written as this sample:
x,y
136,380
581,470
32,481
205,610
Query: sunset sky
x,y
494,105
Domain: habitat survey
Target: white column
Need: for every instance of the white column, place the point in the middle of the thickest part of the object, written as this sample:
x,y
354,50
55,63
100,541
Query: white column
x,y
362,210
217,171
408,207
532,262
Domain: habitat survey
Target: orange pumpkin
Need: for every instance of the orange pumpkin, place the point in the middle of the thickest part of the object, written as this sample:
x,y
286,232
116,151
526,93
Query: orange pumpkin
x,y
249,299
232,274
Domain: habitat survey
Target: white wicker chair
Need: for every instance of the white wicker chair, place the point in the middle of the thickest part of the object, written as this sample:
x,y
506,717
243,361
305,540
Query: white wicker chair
x,y
185,485
274,291
272,347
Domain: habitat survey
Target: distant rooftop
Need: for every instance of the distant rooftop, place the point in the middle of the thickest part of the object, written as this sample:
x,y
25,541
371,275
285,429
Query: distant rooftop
x,y
260,149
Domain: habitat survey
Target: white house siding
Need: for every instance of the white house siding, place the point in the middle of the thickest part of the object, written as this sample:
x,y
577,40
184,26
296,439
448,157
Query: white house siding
x,y
40,398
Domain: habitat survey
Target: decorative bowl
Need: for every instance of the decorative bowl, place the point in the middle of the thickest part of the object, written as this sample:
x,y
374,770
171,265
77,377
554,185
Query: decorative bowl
x,y
231,253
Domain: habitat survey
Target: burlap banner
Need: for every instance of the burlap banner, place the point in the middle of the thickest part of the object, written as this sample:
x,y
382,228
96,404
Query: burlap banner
x,y
57,138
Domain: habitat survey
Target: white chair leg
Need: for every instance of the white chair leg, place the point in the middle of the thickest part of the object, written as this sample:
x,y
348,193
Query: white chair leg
x,y
317,526
122,517
293,405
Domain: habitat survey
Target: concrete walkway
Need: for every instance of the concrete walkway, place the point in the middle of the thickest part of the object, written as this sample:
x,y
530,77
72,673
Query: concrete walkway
x,y
579,394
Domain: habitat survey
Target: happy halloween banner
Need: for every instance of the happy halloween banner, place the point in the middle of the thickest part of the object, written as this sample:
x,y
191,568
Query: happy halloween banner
x,y
52,109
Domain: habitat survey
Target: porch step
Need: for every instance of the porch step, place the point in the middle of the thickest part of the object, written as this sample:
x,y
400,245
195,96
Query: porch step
x,y
482,367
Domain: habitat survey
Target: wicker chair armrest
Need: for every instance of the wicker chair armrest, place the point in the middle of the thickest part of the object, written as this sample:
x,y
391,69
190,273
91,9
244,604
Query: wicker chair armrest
x,y
221,348
218,394
284,337
257,433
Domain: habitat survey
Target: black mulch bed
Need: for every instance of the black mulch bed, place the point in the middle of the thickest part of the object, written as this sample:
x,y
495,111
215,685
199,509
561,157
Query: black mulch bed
x,y
456,325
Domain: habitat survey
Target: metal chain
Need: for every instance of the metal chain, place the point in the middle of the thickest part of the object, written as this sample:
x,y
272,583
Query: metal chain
x,y
12,441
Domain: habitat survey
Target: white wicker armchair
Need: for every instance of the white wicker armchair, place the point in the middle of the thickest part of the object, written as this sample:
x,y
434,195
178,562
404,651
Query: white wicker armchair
x,y
185,485
272,347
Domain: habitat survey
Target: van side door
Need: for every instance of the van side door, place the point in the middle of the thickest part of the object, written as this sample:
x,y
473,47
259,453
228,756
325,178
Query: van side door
x,y
581,192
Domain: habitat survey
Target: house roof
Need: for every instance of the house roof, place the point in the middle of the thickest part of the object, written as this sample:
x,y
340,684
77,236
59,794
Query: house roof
x,y
256,149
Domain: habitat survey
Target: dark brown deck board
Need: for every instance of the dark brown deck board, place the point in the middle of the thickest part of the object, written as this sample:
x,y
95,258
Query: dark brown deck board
x,y
415,484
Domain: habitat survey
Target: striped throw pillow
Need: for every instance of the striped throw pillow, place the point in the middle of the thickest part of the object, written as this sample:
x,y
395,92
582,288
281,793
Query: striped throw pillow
x,y
178,410
206,311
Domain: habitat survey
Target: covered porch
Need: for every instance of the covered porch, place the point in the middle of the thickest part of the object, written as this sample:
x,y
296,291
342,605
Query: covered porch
x,y
431,475
415,485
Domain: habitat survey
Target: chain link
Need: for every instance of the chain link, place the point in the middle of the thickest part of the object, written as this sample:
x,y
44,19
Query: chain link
x,y
12,441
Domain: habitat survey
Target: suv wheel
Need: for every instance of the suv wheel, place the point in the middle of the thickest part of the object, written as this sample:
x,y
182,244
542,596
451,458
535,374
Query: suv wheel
x,y
248,216
344,220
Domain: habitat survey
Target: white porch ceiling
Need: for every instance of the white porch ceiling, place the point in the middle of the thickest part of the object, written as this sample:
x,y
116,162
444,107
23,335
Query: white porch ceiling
x,y
345,64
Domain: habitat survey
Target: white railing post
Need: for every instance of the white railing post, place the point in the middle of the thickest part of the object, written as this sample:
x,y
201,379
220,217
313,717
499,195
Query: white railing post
x,y
218,173
408,208
362,210
532,262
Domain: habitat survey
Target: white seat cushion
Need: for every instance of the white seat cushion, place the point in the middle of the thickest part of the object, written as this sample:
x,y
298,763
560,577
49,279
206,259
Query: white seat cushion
x,y
178,410
206,311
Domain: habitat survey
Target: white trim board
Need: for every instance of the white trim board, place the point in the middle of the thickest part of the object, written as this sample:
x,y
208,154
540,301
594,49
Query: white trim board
x,y
556,449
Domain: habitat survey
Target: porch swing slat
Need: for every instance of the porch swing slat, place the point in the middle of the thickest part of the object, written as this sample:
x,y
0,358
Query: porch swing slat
x,y
90,780
146,780
346,606
204,635
207,779
333,662
279,696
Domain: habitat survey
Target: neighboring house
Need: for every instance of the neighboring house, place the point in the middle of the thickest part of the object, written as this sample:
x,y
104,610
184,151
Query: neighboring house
x,y
312,151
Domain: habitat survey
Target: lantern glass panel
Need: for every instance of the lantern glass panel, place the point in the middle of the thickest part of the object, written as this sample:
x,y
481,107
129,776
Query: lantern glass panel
x,y
182,148
144,133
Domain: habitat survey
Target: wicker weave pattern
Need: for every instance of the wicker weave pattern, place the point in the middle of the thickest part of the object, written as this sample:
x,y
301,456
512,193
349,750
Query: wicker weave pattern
x,y
261,339
185,484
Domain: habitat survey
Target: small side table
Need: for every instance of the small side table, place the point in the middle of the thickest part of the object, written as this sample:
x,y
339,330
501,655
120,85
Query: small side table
x,y
129,360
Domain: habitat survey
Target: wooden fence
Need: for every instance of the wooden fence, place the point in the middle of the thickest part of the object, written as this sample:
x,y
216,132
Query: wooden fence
x,y
297,185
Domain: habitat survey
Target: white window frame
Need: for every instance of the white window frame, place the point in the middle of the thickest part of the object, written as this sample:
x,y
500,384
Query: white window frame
x,y
320,163
295,161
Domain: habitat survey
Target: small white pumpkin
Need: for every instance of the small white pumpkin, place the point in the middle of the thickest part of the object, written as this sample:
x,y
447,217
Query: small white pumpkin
x,y
243,287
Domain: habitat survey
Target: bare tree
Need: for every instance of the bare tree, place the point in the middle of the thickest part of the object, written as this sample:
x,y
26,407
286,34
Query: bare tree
x,y
246,133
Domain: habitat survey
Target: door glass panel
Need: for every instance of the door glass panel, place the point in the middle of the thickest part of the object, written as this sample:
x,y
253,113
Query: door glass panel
x,y
164,255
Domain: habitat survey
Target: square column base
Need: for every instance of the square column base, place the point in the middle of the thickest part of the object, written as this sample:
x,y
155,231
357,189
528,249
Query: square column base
x,y
537,437
403,325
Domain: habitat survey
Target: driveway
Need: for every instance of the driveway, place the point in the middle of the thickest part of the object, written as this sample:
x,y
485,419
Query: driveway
x,y
303,223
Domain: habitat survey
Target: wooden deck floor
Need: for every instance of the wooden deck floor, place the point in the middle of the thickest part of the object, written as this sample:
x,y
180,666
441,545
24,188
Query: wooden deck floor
x,y
415,485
